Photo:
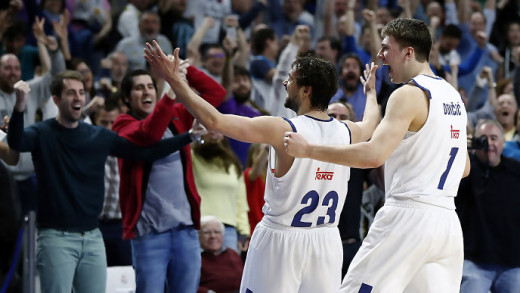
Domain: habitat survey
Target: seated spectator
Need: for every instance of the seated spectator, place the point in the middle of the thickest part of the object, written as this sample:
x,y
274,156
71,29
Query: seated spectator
x,y
221,267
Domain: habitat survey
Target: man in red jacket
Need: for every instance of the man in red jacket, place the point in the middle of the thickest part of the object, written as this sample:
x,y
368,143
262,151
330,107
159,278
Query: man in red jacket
x,y
159,202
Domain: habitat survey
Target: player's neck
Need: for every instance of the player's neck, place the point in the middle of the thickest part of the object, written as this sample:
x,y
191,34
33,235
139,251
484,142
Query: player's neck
x,y
420,69
322,115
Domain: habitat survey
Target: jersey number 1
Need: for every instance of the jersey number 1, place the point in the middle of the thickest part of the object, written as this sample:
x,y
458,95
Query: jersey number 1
x,y
453,153
314,198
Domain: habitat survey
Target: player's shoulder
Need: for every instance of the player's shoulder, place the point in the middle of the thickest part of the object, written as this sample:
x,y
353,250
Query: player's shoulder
x,y
407,91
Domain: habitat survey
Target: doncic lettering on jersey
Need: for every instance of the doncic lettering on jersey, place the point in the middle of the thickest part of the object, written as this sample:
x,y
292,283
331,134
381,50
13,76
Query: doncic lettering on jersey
x,y
452,109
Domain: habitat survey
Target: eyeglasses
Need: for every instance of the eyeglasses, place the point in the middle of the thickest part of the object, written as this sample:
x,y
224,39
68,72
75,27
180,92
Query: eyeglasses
x,y
216,55
208,232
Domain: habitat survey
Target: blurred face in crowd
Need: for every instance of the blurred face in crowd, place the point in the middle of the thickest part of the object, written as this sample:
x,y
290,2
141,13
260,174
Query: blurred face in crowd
x,y
211,238
15,45
70,103
366,38
10,72
241,6
513,34
338,111
508,89
241,88
350,73
496,144
119,66
505,110
106,119
149,26
179,5
292,9
87,75
434,9
383,16
324,51
214,61
340,7
143,96
447,43
477,23
54,6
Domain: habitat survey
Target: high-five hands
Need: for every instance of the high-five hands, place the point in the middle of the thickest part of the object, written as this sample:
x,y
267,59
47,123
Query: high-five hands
x,y
369,78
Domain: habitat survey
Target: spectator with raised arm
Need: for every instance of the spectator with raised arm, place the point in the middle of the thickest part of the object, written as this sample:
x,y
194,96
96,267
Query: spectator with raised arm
x,y
160,204
10,73
69,158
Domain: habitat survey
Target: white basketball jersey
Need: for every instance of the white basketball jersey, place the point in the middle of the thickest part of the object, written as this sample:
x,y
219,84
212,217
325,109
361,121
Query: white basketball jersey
x,y
427,165
311,193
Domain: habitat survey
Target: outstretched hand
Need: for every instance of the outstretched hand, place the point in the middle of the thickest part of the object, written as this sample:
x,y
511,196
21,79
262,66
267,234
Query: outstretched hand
x,y
296,145
167,68
369,78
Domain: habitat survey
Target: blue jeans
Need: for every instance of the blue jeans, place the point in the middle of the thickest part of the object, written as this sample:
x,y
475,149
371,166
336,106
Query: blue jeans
x,y
170,259
67,260
480,277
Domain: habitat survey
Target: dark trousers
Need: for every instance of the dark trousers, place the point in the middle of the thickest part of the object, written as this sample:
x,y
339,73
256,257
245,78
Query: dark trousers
x,y
119,251
349,251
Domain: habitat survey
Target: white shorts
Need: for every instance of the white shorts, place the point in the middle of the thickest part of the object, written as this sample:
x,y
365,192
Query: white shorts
x,y
286,259
411,247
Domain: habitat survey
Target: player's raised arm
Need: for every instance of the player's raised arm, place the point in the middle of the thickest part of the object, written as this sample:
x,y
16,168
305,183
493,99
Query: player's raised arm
x,y
256,130
363,130
402,110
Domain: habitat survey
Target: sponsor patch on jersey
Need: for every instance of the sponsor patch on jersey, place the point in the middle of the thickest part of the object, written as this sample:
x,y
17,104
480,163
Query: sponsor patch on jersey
x,y
323,175
454,133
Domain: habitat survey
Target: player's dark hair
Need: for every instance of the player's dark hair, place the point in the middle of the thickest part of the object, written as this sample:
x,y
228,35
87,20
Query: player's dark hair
x,y
411,33
319,74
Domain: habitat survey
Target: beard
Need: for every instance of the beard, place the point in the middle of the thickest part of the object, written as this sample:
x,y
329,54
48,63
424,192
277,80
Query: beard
x,y
242,98
350,82
443,51
291,104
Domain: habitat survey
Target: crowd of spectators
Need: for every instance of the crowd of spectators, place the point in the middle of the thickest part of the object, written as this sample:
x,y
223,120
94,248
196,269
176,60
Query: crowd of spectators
x,y
246,48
